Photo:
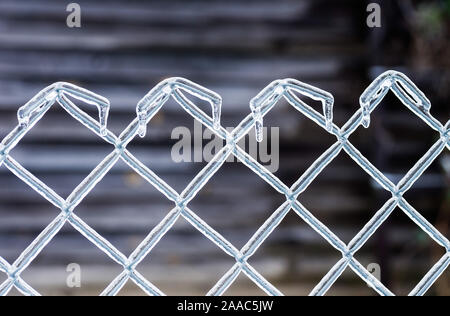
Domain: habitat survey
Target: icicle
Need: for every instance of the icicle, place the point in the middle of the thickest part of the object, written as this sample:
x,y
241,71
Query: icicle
x,y
374,93
155,98
267,96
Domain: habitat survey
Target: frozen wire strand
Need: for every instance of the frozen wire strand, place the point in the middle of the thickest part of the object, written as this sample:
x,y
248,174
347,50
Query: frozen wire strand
x,y
203,177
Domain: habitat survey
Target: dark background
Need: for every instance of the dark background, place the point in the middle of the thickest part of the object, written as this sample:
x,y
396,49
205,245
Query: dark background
x,y
234,47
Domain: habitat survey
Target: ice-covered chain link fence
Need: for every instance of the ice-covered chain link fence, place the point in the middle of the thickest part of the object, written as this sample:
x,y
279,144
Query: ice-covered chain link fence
x,y
262,104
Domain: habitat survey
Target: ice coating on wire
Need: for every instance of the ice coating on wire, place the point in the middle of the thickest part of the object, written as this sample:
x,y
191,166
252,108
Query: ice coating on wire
x,y
37,103
89,97
267,99
403,88
277,89
58,91
159,95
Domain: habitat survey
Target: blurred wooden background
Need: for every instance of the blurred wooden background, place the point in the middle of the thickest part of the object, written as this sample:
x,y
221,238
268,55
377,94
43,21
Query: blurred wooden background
x,y
235,48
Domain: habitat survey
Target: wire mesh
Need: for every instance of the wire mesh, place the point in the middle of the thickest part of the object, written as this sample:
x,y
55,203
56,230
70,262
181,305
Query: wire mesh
x,y
63,93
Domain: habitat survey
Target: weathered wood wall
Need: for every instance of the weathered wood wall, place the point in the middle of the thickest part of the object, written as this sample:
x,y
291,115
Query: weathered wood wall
x,y
236,48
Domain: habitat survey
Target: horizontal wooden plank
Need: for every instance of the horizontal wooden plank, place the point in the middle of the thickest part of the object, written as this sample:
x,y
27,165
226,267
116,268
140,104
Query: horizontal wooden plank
x,y
152,69
176,12
225,37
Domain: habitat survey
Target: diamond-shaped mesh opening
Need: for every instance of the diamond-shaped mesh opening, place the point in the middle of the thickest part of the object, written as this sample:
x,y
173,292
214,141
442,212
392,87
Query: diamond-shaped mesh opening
x,y
174,145
126,206
52,273
60,151
350,284
184,262
294,258
232,192
345,107
343,197
402,250
236,101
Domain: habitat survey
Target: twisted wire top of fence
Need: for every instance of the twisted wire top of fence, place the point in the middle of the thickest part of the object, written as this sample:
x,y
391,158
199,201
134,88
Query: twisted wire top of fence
x,y
64,94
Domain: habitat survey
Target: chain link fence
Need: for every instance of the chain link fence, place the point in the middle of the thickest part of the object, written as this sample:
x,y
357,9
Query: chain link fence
x,y
64,94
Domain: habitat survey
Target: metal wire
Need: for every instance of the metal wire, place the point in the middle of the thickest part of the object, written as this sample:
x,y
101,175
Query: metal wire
x,y
176,88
